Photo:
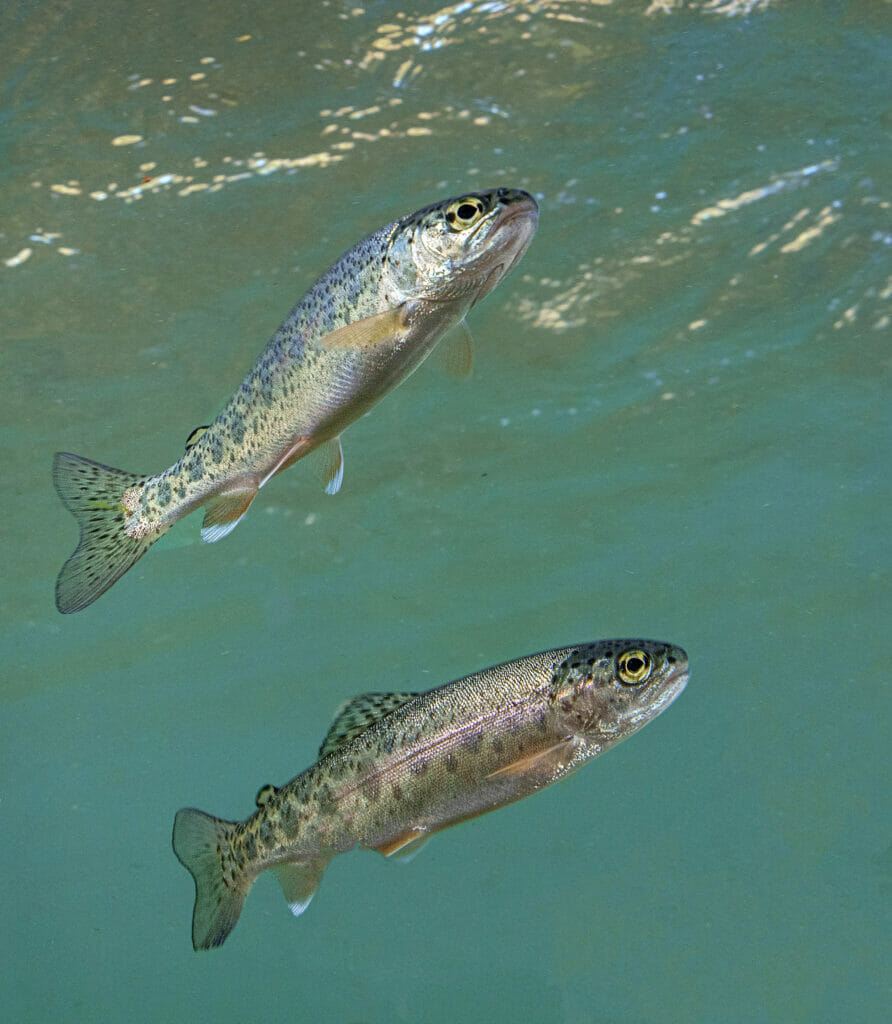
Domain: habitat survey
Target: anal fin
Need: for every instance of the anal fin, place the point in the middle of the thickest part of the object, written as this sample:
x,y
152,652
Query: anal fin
x,y
299,880
224,512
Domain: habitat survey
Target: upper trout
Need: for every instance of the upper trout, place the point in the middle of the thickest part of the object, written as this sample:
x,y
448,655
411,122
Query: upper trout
x,y
362,328
397,767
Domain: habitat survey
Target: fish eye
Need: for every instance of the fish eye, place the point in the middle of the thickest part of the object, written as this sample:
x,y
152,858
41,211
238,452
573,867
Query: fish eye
x,y
464,213
634,667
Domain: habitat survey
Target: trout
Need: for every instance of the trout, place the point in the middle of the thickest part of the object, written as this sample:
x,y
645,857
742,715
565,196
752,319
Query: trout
x,y
397,767
362,328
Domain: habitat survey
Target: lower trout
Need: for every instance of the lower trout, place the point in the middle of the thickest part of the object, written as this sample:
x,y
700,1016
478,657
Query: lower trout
x,y
397,767
362,328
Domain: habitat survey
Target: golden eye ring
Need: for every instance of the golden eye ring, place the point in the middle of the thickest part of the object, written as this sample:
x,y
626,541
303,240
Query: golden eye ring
x,y
634,667
464,213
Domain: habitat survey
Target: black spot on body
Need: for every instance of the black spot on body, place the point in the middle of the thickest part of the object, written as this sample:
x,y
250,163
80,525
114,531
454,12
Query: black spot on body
x,y
289,815
216,447
472,744
164,495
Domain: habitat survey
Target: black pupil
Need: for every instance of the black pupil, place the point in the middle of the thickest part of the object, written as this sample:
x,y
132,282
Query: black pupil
x,y
466,211
634,666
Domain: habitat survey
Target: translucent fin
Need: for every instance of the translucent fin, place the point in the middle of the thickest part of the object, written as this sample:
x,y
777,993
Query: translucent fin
x,y
368,333
550,759
354,716
330,463
195,435
300,880
455,352
406,846
92,493
296,450
203,846
224,513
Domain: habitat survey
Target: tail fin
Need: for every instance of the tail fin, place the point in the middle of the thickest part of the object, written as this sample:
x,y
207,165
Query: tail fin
x,y
92,493
204,845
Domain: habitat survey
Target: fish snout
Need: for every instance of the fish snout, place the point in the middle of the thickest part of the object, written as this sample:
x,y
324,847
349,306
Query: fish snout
x,y
516,221
677,674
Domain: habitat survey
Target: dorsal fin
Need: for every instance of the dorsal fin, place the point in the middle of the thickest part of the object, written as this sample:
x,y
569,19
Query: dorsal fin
x,y
195,435
265,794
354,716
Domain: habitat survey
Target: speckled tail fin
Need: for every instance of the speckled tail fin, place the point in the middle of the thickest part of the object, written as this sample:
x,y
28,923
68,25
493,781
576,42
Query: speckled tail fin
x,y
203,845
92,493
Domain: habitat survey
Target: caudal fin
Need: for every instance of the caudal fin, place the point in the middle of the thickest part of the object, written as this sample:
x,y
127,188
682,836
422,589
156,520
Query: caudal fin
x,y
92,493
203,844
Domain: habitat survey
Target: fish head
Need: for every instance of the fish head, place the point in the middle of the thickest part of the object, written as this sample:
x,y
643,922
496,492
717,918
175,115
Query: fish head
x,y
608,690
461,248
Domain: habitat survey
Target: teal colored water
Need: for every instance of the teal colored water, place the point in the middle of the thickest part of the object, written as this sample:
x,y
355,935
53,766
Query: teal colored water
x,y
677,426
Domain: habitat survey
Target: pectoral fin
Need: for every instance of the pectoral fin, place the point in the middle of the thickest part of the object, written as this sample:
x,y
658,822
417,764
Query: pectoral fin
x,y
456,351
224,512
299,881
370,332
553,757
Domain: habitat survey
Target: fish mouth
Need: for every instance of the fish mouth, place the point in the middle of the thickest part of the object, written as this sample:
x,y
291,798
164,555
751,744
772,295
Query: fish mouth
x,y
673,685
525,208
512,236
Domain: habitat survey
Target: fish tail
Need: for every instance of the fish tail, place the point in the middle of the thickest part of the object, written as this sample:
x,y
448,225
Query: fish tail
x,y
203,845
92,493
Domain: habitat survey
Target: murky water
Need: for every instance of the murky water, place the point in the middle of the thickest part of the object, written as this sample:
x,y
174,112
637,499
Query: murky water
x,y
677,426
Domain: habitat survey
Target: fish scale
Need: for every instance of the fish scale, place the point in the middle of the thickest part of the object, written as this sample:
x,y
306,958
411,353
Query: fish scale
x,y
364,326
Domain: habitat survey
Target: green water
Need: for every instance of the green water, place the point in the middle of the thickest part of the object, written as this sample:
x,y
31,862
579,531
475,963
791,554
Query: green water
x,y
677,426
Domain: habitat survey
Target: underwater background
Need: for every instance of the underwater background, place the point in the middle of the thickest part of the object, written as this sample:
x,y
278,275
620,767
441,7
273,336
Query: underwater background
x,y
677,427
